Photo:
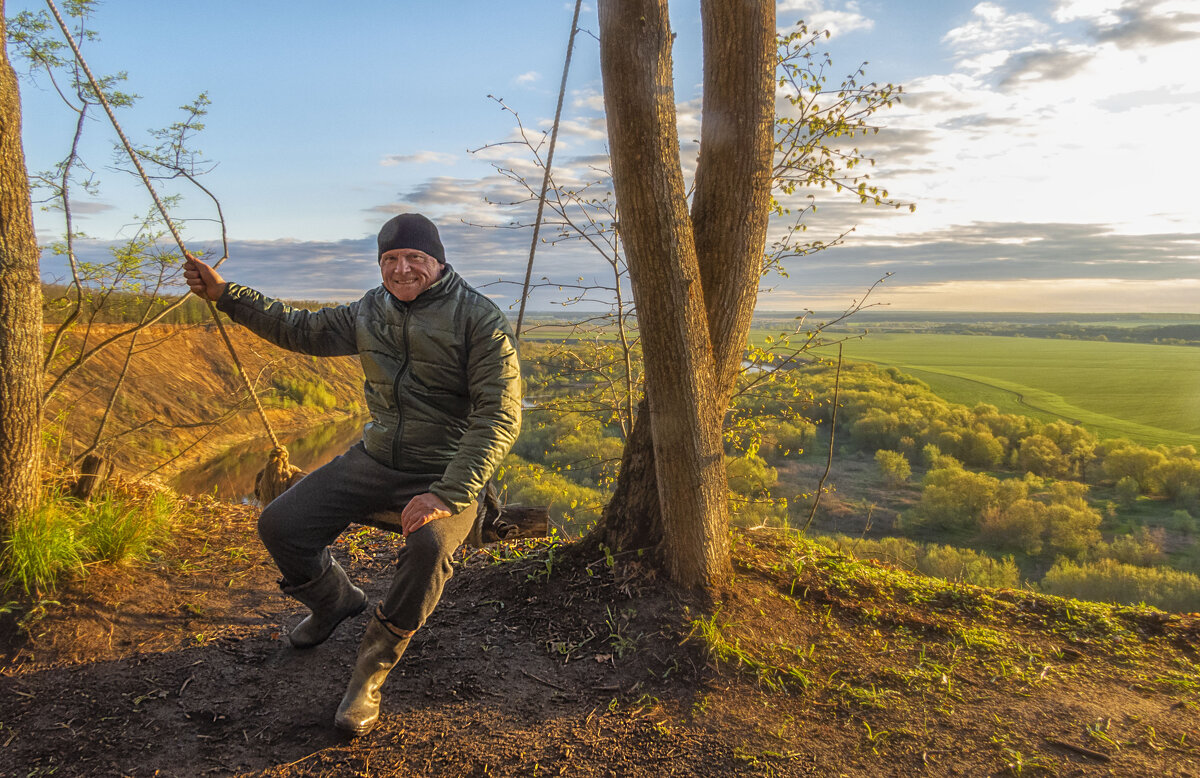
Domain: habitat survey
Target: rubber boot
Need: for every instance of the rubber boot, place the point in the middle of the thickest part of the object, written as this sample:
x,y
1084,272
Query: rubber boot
x,y
331,598
380,650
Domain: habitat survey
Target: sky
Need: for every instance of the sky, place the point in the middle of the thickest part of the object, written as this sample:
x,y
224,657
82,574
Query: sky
x,y
1048,146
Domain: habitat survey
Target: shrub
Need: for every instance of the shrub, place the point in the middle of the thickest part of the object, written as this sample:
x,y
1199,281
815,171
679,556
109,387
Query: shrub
x,y
969,566
314,394
954,564
894,467
1182,521
1177,478
1019,526
1144,549
792,437
572,507
1134,462
1128,490
1110,581
954,499
1039,455
901,552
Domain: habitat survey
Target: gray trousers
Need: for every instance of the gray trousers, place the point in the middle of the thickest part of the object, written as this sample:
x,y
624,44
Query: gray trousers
x,y
298,526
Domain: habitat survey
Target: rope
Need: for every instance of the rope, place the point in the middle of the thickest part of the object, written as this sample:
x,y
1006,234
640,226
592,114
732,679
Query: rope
x,y
162,209
537,222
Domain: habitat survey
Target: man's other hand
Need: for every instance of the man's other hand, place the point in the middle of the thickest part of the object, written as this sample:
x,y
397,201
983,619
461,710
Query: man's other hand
x,y
202,280
421,510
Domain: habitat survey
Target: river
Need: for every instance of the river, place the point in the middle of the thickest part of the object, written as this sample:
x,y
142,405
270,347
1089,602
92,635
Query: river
x,y
230,476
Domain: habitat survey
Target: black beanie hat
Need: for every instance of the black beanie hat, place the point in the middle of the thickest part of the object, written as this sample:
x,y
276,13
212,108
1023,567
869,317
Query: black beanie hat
x,y
411,231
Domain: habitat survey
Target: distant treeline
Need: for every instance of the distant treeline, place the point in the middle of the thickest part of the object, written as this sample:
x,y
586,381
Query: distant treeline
x,y
1172,334
109,306
884,317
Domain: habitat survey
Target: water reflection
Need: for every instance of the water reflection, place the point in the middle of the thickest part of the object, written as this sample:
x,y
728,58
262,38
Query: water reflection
x,y
230,476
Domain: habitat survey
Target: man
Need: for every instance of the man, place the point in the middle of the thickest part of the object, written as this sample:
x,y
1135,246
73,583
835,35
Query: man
x,y
443,390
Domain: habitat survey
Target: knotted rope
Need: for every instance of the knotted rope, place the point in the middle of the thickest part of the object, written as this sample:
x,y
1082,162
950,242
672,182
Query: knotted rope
x,y
278,475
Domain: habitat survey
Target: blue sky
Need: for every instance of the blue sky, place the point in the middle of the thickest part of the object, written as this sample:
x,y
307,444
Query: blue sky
x,y
1048,146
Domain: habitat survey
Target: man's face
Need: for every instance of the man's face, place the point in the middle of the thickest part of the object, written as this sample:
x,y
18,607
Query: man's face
x,y
408,272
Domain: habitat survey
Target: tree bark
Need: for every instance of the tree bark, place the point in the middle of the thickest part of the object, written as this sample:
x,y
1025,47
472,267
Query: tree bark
x,y
732,200
685,408
20,314
729,217
632,519
93,472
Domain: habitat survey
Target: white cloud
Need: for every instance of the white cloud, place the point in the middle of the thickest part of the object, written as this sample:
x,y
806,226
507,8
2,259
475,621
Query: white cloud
x,y
992,27
1067,129
419,158
837,18
528,77
588,99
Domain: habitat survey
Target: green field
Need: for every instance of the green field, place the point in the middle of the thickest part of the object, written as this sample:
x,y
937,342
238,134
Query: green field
x,y
1147,393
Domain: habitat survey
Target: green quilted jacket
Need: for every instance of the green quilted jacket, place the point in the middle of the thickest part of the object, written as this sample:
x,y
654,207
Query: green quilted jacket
x,y
443,384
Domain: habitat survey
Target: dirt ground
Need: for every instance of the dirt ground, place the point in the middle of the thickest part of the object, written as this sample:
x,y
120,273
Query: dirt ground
x,y
543,661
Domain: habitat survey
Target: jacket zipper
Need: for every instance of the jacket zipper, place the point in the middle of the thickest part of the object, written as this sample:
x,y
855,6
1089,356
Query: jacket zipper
x,y
396,438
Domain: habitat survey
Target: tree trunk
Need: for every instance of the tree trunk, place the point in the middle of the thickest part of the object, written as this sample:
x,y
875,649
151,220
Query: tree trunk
x,y
20,314
685,408
729,221
93,472
732,201
632,519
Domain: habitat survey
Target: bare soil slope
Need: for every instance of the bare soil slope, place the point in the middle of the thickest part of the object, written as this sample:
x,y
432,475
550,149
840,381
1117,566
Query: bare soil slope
x,y
182,401
546,660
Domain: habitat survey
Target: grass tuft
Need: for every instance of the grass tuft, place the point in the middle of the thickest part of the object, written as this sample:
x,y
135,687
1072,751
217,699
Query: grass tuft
x,y
120,532
43,548
63,535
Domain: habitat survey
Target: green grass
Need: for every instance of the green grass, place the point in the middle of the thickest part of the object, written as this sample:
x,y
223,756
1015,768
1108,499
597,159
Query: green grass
x,y
42,549
63,536
1148,393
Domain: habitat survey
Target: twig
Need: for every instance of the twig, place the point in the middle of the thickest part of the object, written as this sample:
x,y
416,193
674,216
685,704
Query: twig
x,y
537,222
551,684
1079,749
837,377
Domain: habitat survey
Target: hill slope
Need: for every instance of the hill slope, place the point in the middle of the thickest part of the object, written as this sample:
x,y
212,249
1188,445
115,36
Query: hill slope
x,y
182,400
543,660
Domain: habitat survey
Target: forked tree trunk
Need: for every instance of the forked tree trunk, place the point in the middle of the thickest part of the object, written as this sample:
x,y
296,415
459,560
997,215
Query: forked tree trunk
x,y
729,220
20,314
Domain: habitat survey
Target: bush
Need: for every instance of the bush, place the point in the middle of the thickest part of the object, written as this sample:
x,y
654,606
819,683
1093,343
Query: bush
x,y
1178,479
954,499
313,394
1134,462
894,467
1019,526
1112,581
572,507
1182,521
1144,549
969,566
792,437
948,562
1128,490
1039,455
901,552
